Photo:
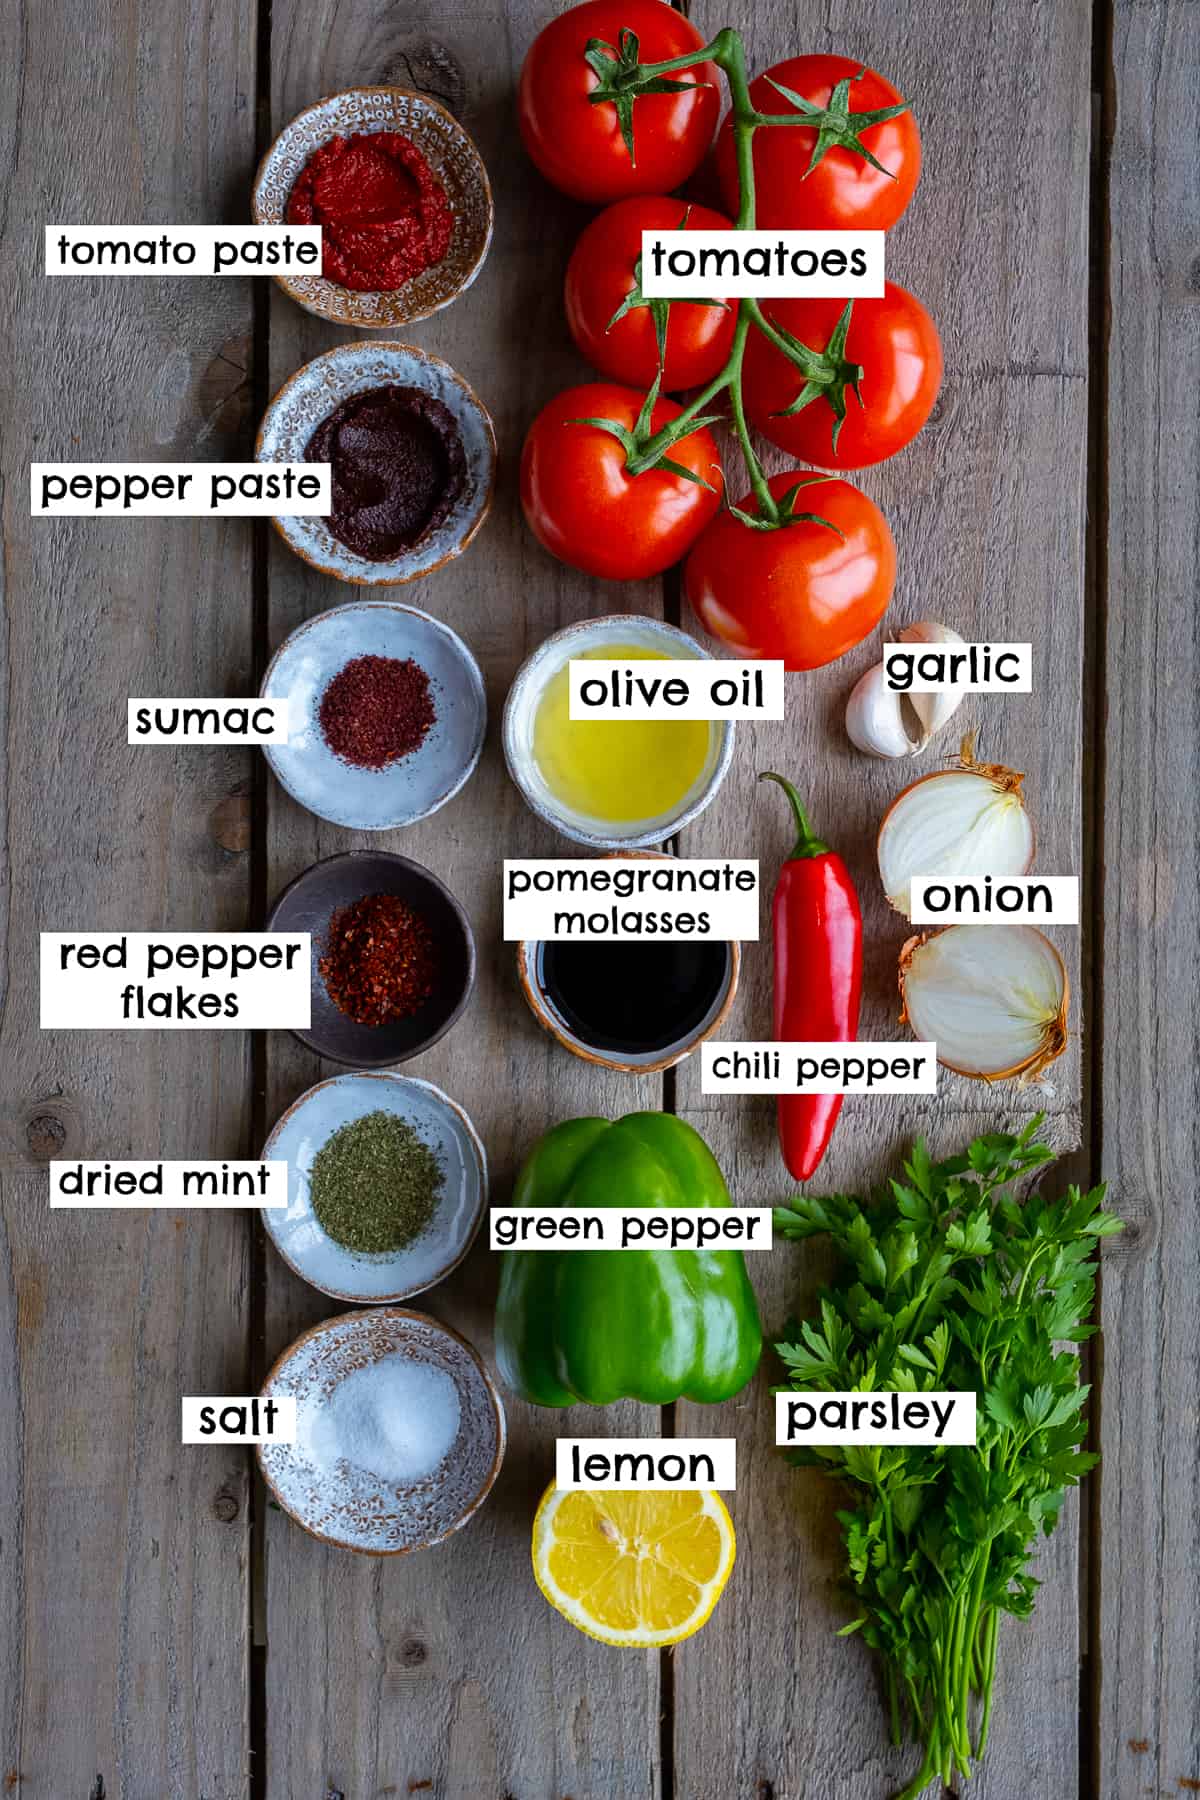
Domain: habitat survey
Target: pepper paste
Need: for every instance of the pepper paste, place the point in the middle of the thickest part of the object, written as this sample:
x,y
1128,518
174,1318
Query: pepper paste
x,y
398,467
383,212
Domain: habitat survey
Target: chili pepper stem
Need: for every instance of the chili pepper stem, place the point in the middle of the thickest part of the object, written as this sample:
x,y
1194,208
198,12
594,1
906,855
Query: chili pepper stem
x,y
807,842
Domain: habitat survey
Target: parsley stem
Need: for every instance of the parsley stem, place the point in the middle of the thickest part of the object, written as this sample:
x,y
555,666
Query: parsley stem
x,y
991,1638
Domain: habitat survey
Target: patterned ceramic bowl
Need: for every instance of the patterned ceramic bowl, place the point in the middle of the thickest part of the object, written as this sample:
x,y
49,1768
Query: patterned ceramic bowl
x,y
337,1498
298,1235
452,157
412,787
312,394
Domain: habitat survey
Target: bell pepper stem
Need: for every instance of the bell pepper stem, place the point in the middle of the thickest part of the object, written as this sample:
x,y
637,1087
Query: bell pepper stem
x,y
807,843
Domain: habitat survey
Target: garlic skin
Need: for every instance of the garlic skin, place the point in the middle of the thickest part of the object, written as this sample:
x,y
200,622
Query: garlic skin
x,y
875,718
993,998
956,824
933,710
884,723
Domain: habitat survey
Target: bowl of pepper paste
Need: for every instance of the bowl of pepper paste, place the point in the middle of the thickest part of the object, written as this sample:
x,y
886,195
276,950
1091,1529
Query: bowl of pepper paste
x,y
386,714
393,956
402,198
412,455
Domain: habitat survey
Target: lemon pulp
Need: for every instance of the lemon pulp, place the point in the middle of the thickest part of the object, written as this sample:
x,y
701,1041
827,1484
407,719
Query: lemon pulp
x,y
633,1568
620,771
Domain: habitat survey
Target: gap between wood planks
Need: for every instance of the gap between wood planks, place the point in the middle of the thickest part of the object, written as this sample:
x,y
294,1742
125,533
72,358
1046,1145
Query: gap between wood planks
x,y
261,650
1095,632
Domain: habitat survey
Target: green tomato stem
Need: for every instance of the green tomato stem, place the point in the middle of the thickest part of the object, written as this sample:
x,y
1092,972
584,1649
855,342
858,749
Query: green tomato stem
x,y
727,51
674,429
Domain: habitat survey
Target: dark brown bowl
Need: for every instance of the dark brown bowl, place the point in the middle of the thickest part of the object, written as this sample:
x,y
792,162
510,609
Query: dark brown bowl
x,y
309,902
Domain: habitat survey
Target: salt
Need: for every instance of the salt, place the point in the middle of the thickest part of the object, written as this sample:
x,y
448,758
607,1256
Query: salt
x,y
396,1419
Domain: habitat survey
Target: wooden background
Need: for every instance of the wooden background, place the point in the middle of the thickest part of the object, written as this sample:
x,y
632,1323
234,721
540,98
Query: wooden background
x,y
163,1634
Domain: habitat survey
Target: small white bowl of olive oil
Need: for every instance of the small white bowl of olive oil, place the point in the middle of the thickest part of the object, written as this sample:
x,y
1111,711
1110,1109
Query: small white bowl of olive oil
x,y
614,784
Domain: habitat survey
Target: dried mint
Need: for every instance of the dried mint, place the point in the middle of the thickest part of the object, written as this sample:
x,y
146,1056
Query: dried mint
x,y
375,1185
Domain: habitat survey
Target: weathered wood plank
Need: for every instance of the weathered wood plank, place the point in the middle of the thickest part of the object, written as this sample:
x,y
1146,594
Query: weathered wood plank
x,y
987,510
1146,1635
449,1667
122,1555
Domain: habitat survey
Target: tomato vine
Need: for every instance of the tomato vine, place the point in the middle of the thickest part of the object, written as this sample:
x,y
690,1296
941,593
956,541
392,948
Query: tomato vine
x,y
827,373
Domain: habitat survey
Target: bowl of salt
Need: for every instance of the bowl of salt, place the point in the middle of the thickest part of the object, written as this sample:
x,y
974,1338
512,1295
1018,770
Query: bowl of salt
x,y
399,1432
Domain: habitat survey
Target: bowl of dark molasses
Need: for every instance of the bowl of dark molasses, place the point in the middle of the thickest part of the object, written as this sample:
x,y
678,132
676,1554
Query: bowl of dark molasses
x,y
634,1006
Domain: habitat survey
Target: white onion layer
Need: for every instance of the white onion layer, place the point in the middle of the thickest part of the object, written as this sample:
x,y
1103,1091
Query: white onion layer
x,y
955,825
991,997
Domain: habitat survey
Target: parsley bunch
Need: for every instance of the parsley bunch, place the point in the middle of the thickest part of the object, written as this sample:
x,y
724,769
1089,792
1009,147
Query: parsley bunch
x,y
949,1281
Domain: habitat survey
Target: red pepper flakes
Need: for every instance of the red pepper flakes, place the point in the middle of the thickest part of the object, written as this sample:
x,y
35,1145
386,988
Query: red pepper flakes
x,y
376,710
380,963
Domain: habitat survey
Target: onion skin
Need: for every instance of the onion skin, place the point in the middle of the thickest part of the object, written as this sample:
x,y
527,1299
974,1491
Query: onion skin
x,y
1055,1036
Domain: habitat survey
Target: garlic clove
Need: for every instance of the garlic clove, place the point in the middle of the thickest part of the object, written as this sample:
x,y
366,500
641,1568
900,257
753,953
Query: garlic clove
x,y
993,998
929,631
933,710
876,720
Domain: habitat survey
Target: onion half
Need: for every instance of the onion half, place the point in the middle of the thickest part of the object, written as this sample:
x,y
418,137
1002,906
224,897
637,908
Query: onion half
x,y
956,824
993,998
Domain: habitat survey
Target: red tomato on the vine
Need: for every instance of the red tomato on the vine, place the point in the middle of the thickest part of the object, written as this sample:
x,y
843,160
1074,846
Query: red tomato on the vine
x,y
802,593
583,505
895,343
843,191
580,147
601,283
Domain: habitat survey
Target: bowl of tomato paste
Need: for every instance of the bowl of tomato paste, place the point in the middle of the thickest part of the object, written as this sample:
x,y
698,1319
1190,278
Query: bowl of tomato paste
x,y
402,198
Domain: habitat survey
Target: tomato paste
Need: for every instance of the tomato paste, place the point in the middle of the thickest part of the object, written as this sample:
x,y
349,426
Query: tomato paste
x,y
384,213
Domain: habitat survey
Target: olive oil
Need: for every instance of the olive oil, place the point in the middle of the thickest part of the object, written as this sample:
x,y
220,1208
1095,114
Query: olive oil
x,y
620,771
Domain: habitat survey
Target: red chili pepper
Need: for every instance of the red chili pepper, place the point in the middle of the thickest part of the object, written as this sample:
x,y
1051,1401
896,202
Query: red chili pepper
x,y
818,977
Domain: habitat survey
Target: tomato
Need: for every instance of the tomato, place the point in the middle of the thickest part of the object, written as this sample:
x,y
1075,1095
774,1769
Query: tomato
x,y
578,146
801,593
586,509
843,192
600,277
896,344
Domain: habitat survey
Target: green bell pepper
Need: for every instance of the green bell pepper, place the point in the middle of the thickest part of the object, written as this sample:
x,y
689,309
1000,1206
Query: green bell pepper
x,y
602,1325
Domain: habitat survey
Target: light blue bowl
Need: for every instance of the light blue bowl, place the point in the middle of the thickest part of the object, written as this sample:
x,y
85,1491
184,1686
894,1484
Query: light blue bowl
x,y
416,785
445,1127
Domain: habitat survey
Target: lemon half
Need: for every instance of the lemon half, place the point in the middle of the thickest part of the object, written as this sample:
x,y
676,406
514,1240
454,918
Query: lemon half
x,y
639,1569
